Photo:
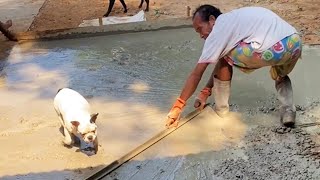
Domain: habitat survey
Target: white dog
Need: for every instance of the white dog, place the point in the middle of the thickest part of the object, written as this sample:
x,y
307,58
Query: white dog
x,y
75,117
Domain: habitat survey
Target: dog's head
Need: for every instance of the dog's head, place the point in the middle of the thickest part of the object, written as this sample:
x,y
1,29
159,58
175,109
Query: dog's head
x,y
87,131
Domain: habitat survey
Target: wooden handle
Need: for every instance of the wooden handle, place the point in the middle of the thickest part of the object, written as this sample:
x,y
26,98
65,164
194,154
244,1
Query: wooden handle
x,y
188,11
100,21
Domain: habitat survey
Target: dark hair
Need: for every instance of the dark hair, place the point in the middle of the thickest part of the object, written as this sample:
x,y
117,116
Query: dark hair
x,y
205,11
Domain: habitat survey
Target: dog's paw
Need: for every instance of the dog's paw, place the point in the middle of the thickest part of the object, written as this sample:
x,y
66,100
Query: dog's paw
x,y
89,151
78,150
67,144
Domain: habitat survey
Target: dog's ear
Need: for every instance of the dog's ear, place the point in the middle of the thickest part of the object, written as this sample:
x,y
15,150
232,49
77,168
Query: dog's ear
x,y
94,117
75,123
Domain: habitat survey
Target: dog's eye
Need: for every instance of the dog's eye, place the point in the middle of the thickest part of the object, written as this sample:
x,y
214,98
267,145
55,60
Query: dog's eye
x,y
82,134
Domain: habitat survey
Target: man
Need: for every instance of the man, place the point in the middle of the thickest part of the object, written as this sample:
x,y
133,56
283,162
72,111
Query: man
x,y
4,28
247,38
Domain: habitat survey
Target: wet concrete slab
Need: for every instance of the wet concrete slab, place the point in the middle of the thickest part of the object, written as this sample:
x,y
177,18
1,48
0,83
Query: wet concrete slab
x,y
209,147
249,144
132,80
21,13
130,86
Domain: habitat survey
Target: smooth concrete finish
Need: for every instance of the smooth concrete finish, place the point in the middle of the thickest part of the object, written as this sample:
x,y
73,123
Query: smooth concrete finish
x,y
132,81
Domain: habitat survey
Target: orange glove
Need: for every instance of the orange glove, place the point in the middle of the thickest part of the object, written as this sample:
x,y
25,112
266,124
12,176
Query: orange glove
x,y
200,101
174,114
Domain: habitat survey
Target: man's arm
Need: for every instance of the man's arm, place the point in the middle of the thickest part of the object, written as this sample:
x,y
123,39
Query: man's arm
x,y
189,88
210,81
193,80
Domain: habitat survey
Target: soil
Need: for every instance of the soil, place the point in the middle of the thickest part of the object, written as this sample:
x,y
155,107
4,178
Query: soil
x,y
60,14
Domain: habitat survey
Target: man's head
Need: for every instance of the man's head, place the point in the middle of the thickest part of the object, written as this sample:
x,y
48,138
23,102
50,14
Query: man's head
x,y
204,19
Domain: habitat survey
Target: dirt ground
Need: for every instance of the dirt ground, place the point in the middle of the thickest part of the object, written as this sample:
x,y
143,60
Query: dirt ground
x,y
59,14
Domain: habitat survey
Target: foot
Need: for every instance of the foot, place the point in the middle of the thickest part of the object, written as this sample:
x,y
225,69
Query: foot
x,y
221,111
96,145
147,9
125,11
287,117
67,142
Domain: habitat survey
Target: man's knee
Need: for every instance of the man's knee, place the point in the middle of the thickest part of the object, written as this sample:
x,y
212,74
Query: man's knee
x,y
279,72
223,71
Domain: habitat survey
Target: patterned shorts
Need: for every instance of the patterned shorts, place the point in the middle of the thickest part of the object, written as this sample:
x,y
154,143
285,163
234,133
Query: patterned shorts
x,y
282,57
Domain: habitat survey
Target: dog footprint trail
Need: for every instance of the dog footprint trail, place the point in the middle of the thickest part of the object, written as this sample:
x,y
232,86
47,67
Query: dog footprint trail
x,y
274,153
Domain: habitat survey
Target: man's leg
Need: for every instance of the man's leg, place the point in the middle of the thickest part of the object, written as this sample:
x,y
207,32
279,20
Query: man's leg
x,y
221,87
285,96
284,90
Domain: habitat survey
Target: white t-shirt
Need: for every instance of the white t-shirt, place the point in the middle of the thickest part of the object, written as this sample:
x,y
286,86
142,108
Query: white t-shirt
x,y
256,25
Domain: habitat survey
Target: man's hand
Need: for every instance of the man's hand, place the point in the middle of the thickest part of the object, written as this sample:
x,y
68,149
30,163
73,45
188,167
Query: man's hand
x,y
200,101
175,112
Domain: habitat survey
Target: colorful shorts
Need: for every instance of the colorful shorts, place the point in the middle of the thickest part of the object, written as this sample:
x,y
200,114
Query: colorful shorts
x,y
282,57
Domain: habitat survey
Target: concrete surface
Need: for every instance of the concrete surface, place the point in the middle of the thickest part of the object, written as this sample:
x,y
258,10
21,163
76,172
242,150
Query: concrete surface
x,y
209,147
132,81
121,80
249,144
89,31
22,12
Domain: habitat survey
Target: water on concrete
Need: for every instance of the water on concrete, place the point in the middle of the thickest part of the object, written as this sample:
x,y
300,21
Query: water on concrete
x,y
132,81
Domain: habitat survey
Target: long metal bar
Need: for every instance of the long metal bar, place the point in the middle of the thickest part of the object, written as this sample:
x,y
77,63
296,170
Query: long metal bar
x,y
117,163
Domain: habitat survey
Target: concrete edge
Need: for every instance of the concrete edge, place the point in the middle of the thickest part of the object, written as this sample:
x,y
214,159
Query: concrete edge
x,y
173,23
34,17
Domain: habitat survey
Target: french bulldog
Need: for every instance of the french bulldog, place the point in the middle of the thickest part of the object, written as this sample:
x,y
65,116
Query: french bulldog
x,y
111,4
75,117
